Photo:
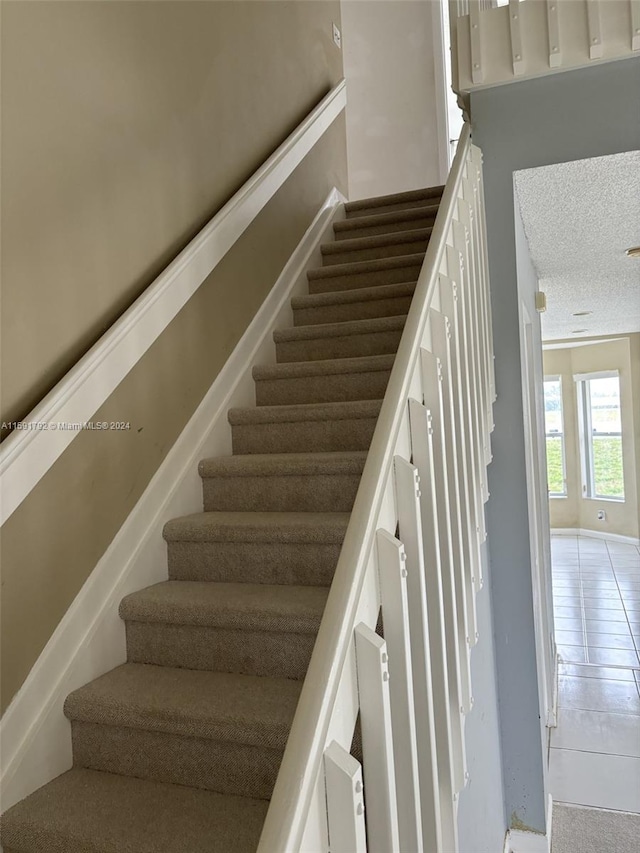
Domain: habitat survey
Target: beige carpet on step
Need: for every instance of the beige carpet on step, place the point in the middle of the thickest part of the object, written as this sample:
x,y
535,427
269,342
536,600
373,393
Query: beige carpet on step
x,y
581,830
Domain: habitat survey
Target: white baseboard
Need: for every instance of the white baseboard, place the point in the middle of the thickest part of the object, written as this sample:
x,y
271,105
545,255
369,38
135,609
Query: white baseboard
x,y
594,534
90,639
519,841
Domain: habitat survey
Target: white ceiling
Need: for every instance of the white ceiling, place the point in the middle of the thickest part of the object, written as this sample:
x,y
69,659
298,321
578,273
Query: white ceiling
x,y
579,218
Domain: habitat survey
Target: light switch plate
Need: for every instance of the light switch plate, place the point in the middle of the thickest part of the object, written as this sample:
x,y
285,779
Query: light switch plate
x,y
337,37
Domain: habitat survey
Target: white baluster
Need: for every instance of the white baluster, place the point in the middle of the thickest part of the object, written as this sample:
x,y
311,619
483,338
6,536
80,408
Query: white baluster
x,y
515,30
395,616
594,28
553,30
470,541
472,288
635,24
455,266
345,801
472,198
469,370
476,155
377,743
444,436
407,496
449,696
477,75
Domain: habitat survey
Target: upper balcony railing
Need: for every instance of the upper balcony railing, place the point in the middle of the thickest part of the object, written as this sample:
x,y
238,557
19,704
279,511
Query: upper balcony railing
x,y
494,43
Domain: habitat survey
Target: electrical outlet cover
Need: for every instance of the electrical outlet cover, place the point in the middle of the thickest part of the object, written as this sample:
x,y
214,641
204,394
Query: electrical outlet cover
x,y
337,37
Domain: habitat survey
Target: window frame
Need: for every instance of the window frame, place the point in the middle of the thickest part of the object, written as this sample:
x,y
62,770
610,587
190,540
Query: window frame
x,y
585,427
561,435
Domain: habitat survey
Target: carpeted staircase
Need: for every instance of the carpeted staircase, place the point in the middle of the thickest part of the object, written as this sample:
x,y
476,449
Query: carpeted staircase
x,y
179,748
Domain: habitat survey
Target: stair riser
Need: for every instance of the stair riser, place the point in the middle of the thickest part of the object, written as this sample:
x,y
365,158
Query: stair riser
x,y
410,247
301,436
391,208
425,221
225,767
346,346
247,562
317,493
396,275
344,312
335,388
262,653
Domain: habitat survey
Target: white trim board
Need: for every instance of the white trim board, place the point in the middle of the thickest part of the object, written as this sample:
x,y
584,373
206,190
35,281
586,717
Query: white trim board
x,y
90,639
594,534
27,454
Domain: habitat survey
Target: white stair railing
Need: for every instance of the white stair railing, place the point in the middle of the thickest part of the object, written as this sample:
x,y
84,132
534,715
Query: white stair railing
x,y
411,556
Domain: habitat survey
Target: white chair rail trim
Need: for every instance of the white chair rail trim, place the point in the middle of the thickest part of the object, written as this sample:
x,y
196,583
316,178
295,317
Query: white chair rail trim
x,y
27,454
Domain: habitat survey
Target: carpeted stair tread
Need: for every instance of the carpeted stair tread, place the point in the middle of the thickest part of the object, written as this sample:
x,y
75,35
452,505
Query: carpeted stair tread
x,y
350,410
385,223
359,294
257,527
324,367
376,242
338,330
85,811
375,246
360,267
235,606
424,195
218,706
284,464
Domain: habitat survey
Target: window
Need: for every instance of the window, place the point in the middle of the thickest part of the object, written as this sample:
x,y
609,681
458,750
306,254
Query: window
x,y
601,435
554,431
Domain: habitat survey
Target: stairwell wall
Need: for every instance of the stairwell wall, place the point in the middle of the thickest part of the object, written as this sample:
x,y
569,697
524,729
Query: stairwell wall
x,y
125,127
568,116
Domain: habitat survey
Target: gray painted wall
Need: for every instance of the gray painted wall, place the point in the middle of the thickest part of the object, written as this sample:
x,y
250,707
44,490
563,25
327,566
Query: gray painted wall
x,y
481,818
568,116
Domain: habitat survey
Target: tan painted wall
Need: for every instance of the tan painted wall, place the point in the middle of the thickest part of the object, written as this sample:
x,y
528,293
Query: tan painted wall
x,y
392,133
88,234
125,126
622,354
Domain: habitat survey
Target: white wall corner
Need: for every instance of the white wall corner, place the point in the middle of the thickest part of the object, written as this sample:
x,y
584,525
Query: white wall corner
x,y
90,639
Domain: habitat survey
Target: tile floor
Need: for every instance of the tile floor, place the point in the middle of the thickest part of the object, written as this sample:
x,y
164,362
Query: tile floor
x,y
595,750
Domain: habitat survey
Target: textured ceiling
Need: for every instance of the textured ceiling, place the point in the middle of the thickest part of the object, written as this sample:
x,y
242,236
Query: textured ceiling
x,y
579,218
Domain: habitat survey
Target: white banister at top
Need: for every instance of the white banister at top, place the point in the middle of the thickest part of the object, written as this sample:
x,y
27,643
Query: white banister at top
x,y
494,43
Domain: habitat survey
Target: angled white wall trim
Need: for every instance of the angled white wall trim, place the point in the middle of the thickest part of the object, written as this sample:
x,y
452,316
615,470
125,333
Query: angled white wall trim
x,y
594,534
34,734
27,454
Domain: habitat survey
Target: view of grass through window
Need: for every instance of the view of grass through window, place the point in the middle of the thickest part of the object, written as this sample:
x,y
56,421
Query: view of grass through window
x,y
556,479
606,437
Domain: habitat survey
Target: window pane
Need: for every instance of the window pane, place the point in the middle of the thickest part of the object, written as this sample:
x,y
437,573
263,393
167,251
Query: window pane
x,y
608,478
555,467
553,429
605,404
552,406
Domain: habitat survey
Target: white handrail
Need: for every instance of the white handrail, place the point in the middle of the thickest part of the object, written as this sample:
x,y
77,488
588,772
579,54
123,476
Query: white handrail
x,y
27,454
285,823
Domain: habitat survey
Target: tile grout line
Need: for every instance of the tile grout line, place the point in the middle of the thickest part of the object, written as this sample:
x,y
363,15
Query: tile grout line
x,y
626,613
